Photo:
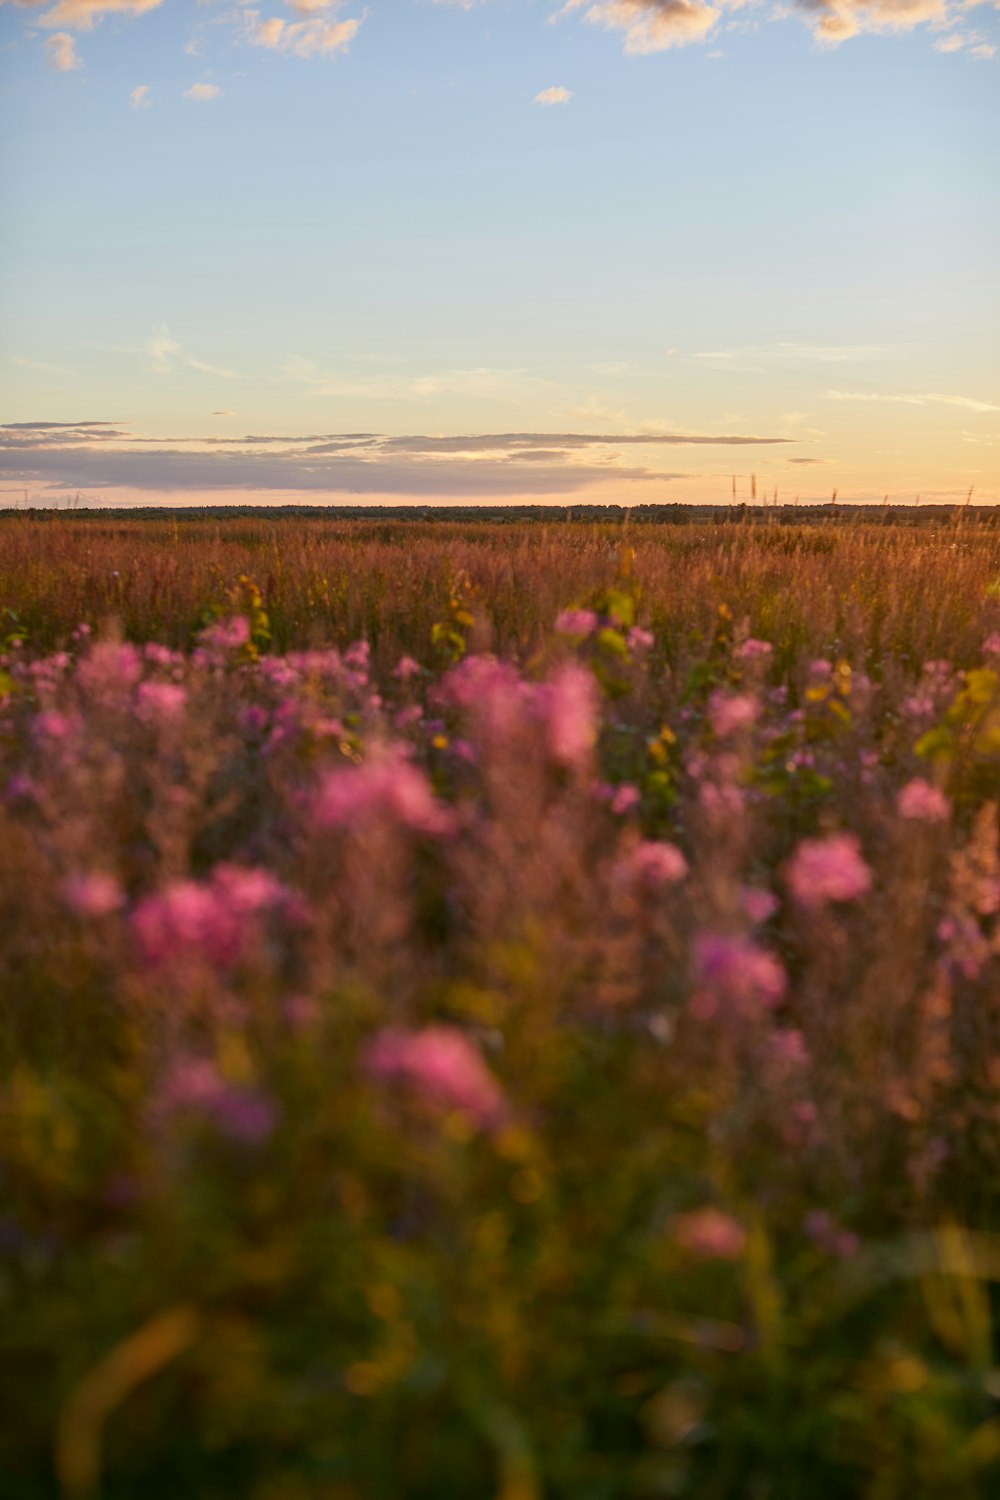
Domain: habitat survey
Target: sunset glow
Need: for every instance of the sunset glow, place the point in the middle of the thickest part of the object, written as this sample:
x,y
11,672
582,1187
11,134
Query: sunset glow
x,y
500,251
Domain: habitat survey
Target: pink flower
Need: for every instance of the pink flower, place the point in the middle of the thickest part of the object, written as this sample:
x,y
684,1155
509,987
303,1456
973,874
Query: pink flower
x,y
386,786
52,725
991,645
624,798
227,635
110,669
655,863
160,703
578,622
639,639
441,1068
94,894
830,869
729,714
753,650
214,921
195,1085
187,918
710,1234
921,802
406,668
737,974
760,906
570,701
787,1048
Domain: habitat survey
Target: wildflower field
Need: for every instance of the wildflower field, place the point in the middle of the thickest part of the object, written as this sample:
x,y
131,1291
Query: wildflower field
x,y
504,1011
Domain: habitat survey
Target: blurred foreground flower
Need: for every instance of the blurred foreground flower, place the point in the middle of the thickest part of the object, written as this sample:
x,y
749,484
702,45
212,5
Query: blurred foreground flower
x,y
441,1068
830,869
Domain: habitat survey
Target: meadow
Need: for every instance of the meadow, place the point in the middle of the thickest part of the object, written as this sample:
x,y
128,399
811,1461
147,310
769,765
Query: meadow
x,y
499,1011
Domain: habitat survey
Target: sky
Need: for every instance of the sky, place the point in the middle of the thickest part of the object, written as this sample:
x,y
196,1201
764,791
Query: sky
x,y
460,251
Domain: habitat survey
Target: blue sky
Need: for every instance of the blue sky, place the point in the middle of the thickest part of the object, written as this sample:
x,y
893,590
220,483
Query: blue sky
x,y
618,251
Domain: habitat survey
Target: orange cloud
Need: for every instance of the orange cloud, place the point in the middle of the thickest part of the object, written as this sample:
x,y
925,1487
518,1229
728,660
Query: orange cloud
x,y
315,38
60,51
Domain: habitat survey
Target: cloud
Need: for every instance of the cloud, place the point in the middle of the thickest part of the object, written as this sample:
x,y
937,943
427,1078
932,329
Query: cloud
x,y
754,358
926,399
80,15
223,414
161,346
833,21
555,95
649,25
655,25
60,52
37,364
139,97
314,38
166,353
203,91
984,52
485,466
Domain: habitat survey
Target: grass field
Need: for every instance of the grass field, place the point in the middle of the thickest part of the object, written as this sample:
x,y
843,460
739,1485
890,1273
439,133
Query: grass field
x,y
499,1011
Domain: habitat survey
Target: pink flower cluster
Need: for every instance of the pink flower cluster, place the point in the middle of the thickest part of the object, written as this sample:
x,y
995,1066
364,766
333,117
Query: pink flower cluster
x,y
387,786
730,714
441,1068
920,802
827,870
734,974
214,920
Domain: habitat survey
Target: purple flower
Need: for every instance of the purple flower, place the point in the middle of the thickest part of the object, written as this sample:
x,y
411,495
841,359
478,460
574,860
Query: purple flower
x,y
830,869
441,1068
195,1086
736,975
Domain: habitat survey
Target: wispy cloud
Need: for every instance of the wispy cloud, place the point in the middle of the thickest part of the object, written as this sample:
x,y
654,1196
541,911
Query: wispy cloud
x,y
60,52
554,95
37,364
139,97
754,358
927,398
166,354
202,92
